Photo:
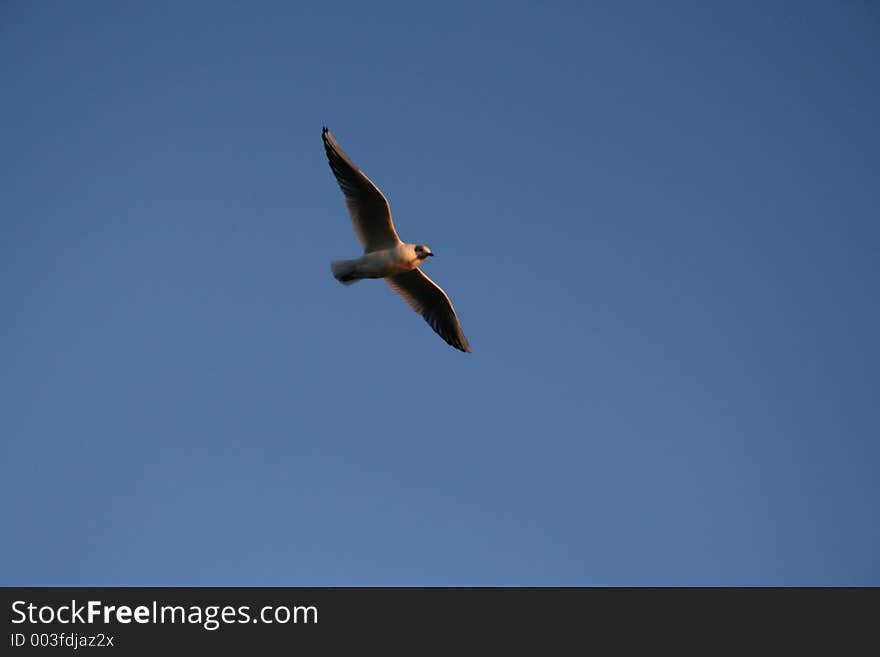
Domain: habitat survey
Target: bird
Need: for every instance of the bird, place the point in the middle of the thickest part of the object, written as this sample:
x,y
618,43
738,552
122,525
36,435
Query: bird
x,y
385,255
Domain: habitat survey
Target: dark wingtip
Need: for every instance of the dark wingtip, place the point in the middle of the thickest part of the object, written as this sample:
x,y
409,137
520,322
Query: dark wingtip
x,y
459,343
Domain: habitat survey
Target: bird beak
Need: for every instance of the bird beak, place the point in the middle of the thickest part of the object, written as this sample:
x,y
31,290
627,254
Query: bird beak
x,y
429,254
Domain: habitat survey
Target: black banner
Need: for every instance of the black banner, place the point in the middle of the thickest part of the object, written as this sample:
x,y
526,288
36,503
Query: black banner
x,y
150,620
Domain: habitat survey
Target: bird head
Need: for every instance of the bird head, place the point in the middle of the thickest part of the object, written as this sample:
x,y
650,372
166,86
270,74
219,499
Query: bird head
x,y
422,252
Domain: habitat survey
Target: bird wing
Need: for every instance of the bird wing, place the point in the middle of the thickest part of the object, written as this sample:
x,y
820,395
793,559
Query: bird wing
x,y
427,298
368,207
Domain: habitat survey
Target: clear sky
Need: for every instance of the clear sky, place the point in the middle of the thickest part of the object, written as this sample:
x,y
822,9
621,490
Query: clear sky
x,y
657,221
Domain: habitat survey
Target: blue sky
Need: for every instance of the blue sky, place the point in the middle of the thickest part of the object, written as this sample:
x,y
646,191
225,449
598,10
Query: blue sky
x,y
658,226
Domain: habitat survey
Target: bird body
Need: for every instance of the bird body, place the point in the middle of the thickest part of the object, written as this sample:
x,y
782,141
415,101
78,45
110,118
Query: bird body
x,y
378,264
385,255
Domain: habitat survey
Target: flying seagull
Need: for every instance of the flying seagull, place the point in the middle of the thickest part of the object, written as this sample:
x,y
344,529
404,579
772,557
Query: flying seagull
x,y
385,256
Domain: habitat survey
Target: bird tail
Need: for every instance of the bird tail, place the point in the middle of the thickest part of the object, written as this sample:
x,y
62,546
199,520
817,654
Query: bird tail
x,y
345,271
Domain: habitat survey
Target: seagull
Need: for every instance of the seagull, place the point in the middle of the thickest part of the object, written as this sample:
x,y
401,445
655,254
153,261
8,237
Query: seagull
x,y
385,256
